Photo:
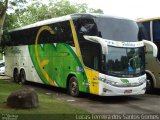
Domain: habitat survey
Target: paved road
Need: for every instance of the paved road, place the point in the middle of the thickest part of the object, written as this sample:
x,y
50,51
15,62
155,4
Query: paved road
x,y
145,104
142,104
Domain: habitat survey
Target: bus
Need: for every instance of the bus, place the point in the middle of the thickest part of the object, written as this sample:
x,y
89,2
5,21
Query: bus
x,y
151,29
90,53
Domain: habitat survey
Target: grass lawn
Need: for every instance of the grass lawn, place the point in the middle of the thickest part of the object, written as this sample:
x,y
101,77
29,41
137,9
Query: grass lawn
x,y
50,107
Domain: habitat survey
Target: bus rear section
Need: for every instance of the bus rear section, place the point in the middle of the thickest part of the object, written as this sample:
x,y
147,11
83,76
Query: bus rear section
x,y
150,30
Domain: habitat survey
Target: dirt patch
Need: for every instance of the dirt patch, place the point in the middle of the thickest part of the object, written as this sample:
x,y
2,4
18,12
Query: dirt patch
x,y
3,77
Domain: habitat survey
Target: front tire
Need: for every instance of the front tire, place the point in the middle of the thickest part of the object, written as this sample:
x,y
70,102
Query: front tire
x,y
73,88
149,85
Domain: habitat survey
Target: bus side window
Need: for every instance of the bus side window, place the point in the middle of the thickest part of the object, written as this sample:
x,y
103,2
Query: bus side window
x,y
156,35
91,54
65,33
88,27
85,26
156,30
142,33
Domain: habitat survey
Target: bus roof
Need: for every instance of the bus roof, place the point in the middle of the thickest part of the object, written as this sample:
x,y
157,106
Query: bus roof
x,y
147,19
63,18
44,22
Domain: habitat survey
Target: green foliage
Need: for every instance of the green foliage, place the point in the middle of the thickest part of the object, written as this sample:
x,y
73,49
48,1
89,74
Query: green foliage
x,y
17,3
38,11
96,10
11,4
1,6
4,6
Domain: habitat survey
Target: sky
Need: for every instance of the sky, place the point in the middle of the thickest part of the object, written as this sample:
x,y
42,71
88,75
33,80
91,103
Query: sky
x,y
131,9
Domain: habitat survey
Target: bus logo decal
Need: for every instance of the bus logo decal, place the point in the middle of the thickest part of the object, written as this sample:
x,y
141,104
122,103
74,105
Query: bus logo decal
x,y
124,80
43,63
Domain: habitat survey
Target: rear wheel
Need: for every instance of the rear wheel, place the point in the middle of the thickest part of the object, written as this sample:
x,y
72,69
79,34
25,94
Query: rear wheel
x,y
15,76
73,88
22,76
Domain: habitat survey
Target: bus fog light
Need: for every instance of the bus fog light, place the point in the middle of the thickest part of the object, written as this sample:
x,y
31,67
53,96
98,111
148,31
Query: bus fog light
x,y
106,90
142,81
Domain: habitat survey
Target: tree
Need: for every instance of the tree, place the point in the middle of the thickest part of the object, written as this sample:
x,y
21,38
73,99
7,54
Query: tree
x,y
4,5
3,9
38,11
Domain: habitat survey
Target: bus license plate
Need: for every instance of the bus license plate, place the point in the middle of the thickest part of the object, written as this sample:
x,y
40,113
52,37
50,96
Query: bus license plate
x,y
127,91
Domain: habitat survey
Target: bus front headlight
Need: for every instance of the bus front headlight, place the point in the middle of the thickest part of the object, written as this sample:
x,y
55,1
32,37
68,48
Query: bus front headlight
x,y
142,80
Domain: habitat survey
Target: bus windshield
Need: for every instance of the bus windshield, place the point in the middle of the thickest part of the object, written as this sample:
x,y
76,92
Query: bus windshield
x,y
125,61
118,29
106,27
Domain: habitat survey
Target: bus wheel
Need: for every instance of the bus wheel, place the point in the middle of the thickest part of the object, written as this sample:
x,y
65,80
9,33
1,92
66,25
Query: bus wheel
x,y
22,76
15,76
149,85
73,88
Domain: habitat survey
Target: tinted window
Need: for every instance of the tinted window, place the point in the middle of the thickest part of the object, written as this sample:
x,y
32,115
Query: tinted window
x,y
156,30
91,52
125,61
146,26
2,64
106,27
62,33
85,26
142,34
117,29
156,35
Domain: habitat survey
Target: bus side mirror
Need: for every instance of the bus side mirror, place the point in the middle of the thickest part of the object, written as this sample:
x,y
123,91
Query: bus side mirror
x,y
99,40
154,47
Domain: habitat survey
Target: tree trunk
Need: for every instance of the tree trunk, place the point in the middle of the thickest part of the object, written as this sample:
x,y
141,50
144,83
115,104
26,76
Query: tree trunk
x,y
2,18
1,25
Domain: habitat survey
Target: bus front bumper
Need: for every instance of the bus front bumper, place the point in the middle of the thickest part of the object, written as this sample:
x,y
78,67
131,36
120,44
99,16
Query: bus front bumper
x,y
108,90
